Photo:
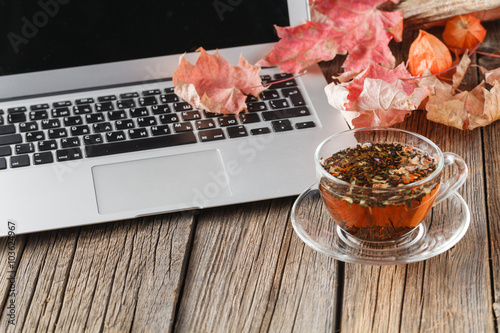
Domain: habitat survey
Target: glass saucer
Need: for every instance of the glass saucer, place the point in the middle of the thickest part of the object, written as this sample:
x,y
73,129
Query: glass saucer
x,y
443,227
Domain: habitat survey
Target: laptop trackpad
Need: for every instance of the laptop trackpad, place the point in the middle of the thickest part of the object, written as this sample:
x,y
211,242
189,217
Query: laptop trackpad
x,y
178,181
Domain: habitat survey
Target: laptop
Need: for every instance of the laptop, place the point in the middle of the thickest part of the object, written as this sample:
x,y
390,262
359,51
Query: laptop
x,y
91,131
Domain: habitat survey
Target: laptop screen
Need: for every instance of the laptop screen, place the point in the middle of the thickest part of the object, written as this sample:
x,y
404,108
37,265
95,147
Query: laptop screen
x,y
53,34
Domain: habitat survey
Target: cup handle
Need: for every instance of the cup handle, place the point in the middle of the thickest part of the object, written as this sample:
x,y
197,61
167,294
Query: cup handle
x,y
454,182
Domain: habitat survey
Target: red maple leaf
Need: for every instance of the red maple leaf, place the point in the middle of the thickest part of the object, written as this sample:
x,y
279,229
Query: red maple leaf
x,y
216,86
338,27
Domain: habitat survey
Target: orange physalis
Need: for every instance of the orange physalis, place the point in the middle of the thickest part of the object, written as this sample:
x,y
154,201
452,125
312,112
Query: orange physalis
x,y
428,52
463,32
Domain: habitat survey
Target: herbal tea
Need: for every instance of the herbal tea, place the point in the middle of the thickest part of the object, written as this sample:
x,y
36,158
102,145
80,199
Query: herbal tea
x,y
379,207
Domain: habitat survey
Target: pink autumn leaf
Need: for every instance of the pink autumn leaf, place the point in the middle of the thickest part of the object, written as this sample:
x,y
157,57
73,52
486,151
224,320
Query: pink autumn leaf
x,y
376,97
343,26
216,86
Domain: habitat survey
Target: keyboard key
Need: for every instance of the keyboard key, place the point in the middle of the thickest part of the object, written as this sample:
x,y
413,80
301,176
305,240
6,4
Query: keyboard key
x,y
149,100
169,118
278,104
281,76
92,139
50,123
24,148
204,124
281,125
35,136
160,109
7,129
61,104
211,114
129,95
73,120
237,131
106,98
139,112
105,106
146,121
39,107
190,115
169,98
47,145
251,99
138,133
256,106
57,133
151,92
294,95
18,117
261,130
5,151
140,144
16,109
43,158
60,112
117,115
79,130
102,127
124,124
1,120
3,163
270,94
283,84
82,109
70,142
19,161
160,130
169,90
9,139
227,121
248,118
68,154
84,101
265,78
305,124
94,118
182,106
115,136
182,127
211,135
286,113
125,103
39,115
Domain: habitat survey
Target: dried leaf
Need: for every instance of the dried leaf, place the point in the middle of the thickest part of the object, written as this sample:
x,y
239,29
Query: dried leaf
x,y
376,97
463,32
492,75
491,108
461,70
216,86
339,27
428,52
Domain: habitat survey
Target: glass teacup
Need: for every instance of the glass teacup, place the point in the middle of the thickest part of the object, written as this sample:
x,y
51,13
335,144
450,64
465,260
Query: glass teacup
x,y
380,209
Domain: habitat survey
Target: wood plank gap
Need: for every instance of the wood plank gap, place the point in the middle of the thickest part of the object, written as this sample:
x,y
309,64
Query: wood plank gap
x,y
488,229
185,263
301,290
403,298
376,296
339,292
424,264
66,279
287,251
136,225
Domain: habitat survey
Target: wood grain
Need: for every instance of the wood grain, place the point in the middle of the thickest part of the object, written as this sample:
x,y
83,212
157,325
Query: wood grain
x,y
114,277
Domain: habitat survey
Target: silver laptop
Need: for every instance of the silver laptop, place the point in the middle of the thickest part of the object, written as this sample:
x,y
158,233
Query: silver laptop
x,y
90,130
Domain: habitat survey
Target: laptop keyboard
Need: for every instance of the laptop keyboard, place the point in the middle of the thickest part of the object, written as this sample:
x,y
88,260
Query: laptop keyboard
x,y
135,121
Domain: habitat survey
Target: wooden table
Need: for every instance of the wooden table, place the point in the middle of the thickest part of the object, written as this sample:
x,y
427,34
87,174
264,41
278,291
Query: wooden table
x,y
243,269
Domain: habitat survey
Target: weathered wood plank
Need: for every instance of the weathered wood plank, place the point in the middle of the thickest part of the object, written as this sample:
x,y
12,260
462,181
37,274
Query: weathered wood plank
x,y
112,277
247,273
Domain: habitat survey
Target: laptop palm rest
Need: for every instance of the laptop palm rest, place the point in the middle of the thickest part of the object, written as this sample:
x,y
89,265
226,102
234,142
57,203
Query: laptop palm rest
x,y
178,181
